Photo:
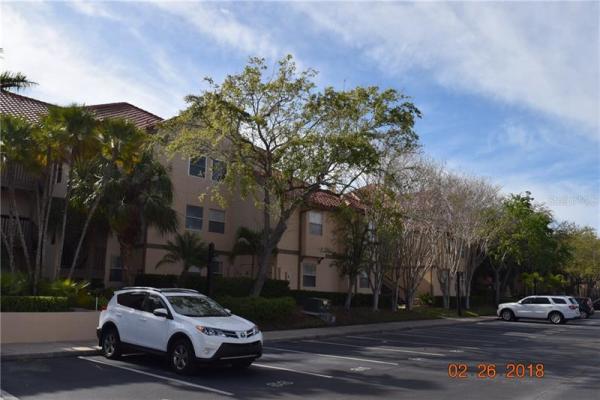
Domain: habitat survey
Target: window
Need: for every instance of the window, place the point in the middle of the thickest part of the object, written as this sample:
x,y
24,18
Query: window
x,y
528,300
309,275
559,300
541,300
216,221
197,166
217,268
363,280
152,302
219,170
193,218
131,300
315,223
116,269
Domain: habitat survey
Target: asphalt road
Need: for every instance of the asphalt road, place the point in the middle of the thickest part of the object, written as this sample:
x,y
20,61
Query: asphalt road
x,y
409,364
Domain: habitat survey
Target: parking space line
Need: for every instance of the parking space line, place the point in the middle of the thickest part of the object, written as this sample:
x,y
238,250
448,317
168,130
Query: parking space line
x,y
292,370
333,356
166,378
376,348
410,341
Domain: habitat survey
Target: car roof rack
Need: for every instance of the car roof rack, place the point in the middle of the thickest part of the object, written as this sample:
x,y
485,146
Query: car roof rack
x,y
169,290
161,290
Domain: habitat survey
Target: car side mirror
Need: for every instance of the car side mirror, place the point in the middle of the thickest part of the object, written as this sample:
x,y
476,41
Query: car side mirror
x,y
161,312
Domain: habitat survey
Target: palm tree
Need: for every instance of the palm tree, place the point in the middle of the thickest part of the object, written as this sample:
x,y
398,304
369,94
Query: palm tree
x,y
14,80
139,200
189,249
247,242
121,148
76,129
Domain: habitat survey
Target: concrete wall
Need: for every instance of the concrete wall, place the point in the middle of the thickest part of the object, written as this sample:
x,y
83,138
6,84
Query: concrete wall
x,y
39,327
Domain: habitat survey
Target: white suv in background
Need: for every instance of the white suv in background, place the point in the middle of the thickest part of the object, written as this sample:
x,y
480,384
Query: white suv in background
x,y
180,323
557,309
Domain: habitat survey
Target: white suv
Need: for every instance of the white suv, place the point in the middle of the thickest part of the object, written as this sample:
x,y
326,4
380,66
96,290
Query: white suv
x,y
557,309
180,323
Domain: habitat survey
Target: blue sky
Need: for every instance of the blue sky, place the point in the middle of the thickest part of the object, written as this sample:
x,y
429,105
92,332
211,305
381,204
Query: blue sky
x,y
509,91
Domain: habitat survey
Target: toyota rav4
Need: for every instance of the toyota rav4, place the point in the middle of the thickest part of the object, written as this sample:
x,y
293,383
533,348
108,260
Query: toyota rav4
x,y
183,324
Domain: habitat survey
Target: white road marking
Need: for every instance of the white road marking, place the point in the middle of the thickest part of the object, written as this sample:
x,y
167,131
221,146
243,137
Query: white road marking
x,y
292,370
166,378
333,356
359,369
376,348
278,384
409,341
4,395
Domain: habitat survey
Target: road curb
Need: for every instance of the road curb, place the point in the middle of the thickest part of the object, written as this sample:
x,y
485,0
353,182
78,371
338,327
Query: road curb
x,y
53,354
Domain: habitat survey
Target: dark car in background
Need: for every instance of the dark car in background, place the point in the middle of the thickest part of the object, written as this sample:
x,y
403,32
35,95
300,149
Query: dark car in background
x,y
586,307
596,304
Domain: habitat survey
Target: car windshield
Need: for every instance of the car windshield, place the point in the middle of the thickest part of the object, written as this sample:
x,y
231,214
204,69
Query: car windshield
x,y
197,306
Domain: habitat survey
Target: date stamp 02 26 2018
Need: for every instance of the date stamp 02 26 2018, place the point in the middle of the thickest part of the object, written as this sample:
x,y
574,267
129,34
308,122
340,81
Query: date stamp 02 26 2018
x,y
490,371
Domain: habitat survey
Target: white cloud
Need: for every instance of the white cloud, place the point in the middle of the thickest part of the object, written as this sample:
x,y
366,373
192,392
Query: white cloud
x,y
223,27
67,71
541,55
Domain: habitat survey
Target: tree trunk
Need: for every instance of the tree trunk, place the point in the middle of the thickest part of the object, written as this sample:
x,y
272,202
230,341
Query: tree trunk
x,y
409,299
13,200
376,293
264,258
61,238
44,209
127,270
348,302
497,285
395,297
82,236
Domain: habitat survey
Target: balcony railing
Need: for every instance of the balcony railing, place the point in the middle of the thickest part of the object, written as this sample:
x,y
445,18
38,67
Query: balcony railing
x,y
16,173
29,230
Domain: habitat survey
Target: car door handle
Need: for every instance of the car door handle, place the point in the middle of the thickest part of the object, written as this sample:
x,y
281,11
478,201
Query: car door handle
x,y
143,319
118,314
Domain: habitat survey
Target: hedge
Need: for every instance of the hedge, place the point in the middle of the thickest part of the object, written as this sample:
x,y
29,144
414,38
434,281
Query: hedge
x,y
260,309
33,303
338,298
234,287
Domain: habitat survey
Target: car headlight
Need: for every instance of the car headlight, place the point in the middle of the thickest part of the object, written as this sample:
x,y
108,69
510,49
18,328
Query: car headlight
x,y
210,331
255,329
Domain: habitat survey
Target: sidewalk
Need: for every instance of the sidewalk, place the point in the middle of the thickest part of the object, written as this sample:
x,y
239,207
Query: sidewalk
x,y
27,351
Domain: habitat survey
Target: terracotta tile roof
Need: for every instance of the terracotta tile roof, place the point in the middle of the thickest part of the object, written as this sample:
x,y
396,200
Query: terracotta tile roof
x,y
33,110
326,199
141,118
21,106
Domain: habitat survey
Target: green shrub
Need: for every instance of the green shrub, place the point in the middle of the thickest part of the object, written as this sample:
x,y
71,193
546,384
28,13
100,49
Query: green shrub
x,y
260,309
33,303
426,299
13,284
338,298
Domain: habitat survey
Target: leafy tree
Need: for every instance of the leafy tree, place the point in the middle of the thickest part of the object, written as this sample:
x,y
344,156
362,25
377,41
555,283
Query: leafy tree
x,y
14,80
352,238
188,249
283,139
520,237
584,264
247,242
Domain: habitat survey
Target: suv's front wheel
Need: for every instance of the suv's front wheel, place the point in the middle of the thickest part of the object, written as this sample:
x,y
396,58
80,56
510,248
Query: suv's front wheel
x,y
111,345
181,356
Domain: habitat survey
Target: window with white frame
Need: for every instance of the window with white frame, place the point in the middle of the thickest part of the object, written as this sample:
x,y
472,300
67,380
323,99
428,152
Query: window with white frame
x,y
309,275
217,268
116,269
219,170
193,217
216,221
197,166
315,223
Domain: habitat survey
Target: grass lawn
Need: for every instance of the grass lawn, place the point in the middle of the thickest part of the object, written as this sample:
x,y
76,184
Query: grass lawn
x,y
364,315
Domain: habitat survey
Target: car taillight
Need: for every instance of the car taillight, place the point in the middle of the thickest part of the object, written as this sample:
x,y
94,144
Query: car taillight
x,y
103,308
572,307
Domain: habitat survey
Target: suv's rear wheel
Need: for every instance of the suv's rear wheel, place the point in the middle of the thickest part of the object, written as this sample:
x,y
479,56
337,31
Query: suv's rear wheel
x,y
507,315
584,315
182,356
111,345
556,318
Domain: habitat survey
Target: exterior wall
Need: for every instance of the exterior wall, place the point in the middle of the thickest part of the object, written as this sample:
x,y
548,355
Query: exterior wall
x,y
40,327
